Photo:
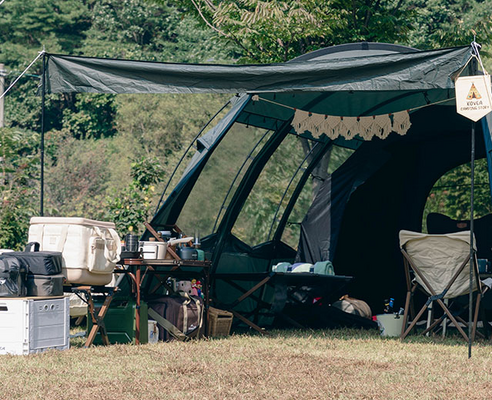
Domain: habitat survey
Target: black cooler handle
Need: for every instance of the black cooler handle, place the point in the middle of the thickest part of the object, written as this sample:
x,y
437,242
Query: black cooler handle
x,y
32,246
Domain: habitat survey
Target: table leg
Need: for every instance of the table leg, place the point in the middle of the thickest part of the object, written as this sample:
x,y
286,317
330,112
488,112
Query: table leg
x,y
95,327
206,289
137,311
249,323
98,320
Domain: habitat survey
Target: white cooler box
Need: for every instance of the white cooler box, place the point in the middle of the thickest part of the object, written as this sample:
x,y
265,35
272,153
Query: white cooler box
x,y
34,324
90,248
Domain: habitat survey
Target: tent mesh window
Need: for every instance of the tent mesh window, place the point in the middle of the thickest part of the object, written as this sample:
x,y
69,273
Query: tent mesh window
x,y
338,156
331,161
273,188
210,112
291,232
214,188
450,195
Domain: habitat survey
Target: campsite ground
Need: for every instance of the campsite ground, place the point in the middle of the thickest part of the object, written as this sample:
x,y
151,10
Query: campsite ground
x,y
336,364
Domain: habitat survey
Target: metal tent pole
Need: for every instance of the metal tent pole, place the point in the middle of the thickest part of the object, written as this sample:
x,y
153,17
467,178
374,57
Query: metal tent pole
x,y
43,92
472,250
474,70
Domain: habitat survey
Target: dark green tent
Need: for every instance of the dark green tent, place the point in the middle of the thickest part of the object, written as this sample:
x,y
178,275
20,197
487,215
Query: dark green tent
x,y
342,199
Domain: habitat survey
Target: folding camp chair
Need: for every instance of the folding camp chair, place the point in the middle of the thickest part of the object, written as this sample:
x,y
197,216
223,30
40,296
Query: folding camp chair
x,y
440,266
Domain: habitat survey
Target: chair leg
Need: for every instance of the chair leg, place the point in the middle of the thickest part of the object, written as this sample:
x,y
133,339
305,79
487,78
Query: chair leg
x,y
452,318
405,315
430,317
475,319
414,322
445,320
485,321
433,325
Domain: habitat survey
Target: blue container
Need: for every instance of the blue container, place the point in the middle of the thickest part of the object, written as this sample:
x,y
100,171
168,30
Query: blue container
x,y
483,266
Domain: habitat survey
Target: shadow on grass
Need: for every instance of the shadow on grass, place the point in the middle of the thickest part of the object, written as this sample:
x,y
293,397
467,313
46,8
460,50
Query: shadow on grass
x,y
453,338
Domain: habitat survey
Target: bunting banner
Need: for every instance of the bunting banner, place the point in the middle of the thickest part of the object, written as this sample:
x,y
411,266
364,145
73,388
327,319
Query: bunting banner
x,y
365,127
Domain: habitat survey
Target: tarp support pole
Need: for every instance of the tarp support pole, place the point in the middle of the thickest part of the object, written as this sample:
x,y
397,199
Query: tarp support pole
x,y
43,95
472,250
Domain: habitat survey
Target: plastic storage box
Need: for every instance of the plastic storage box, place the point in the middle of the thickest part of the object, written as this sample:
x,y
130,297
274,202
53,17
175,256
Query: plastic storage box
x,y
120,321
34,324
90,249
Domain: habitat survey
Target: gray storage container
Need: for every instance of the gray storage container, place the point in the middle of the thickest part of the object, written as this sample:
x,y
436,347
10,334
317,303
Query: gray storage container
x,y
45,285
34,324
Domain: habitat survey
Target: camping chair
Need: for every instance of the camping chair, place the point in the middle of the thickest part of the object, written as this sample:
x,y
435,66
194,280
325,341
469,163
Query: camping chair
x,y
440,266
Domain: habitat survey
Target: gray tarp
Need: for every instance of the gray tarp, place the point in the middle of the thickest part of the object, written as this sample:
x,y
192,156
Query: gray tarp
x,y
410,71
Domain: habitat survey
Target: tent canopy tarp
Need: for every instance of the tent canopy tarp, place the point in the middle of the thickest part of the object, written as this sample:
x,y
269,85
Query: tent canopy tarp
x,y
424,70
381,187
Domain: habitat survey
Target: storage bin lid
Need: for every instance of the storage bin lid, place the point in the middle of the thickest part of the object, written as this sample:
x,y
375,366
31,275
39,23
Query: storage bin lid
x,y
70,221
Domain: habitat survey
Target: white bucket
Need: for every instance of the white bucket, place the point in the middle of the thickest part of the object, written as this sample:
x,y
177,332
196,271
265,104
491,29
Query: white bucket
x,y
390,324
153,332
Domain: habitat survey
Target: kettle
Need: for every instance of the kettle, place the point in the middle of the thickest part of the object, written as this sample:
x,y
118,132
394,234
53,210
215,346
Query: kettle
x,y
187,253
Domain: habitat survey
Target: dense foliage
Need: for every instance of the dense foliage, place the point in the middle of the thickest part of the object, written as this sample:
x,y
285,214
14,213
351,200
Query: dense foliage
x,y
109,157
95,142
273,31
132,205
19,170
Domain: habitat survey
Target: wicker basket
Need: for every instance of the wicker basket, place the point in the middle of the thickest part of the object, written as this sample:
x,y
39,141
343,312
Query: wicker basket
x,y
219,322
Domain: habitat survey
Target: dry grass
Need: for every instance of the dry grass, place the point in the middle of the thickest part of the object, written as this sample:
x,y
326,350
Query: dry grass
x,y
285,365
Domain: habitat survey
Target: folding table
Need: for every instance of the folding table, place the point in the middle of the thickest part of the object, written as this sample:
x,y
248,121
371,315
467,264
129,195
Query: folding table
x,y
158,271
330,286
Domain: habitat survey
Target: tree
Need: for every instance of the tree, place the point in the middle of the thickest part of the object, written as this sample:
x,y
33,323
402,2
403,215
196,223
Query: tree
x,y
19,194
275,31
131,208
25,28
77,183
451,193
91,116
140,30
447,23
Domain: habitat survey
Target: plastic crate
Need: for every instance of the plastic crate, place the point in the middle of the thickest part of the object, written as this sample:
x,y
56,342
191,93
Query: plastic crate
x,y
219,322
33,325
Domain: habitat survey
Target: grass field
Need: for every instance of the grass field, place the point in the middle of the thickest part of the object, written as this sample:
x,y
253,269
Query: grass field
x,y
336,364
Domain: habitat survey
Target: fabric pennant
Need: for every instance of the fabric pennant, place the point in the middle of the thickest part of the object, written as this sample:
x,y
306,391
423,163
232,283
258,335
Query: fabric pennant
x,y
365,127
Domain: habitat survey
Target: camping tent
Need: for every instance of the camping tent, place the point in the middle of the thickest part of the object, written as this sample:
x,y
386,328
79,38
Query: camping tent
x,y
262,190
